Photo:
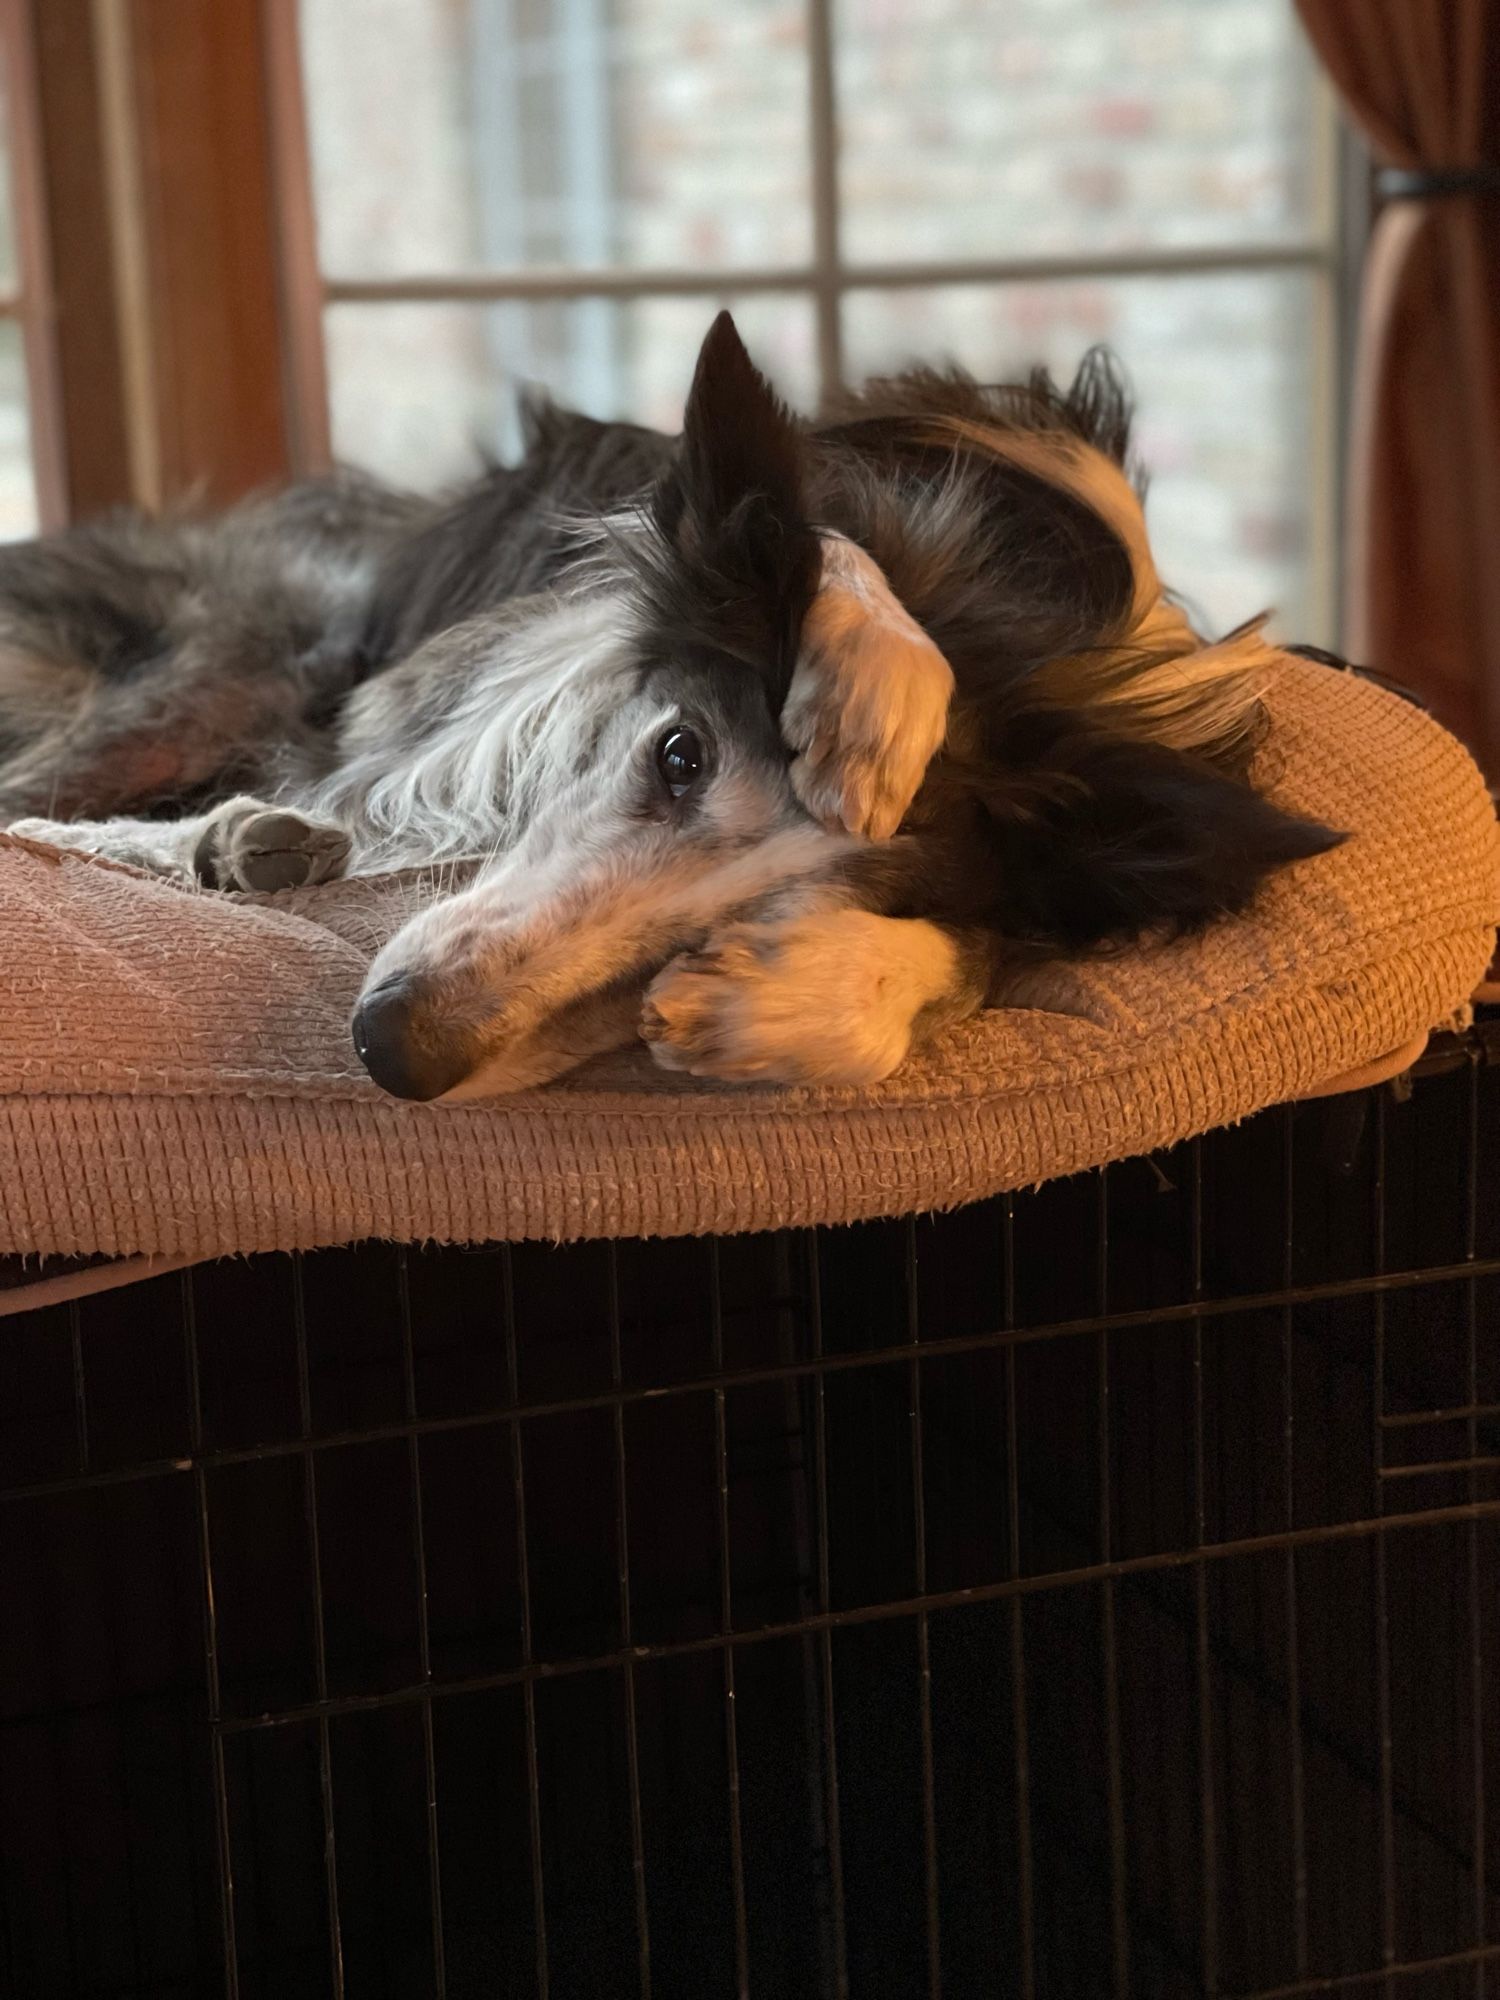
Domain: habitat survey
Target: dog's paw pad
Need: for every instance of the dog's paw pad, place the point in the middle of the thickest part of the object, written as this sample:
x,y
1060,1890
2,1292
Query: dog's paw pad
x,y
266,849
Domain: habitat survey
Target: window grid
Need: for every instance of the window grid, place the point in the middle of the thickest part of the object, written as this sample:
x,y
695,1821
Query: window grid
x,y
828,276
836,278
1323,252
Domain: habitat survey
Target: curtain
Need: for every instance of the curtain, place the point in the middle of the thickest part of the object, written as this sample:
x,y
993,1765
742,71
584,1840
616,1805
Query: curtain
x,y
1422,80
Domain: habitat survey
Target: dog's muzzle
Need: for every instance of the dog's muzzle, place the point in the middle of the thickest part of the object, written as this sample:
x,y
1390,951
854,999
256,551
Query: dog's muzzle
x,y
394,1039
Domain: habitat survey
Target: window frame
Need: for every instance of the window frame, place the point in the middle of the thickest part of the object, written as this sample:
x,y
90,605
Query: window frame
x,y
160,356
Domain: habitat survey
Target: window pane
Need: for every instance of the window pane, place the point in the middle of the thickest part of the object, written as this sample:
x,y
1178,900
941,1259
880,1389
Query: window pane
x,y
455,135
18,515
1227,377
1061,126
418,388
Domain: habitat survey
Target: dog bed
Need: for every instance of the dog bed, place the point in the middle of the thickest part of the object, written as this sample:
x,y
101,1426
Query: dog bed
x,y
177,1081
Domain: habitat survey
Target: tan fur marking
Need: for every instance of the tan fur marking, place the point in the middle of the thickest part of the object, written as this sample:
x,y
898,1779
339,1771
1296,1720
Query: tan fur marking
x,y
1204,698
1187,695
825,998
868,705
1088,475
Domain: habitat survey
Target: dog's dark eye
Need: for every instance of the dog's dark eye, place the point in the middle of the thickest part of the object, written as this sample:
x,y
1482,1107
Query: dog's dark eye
x,y
680,759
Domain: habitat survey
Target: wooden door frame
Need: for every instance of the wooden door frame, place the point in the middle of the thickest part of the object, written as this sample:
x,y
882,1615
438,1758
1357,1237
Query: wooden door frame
x,y
181,332
35,301
301,294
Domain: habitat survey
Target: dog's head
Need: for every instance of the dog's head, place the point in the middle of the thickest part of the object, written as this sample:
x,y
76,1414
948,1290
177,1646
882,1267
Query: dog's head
x,y
626,737
731,707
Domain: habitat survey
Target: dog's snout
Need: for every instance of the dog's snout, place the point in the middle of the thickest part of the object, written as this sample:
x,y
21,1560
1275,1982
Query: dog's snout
x,y
400,1045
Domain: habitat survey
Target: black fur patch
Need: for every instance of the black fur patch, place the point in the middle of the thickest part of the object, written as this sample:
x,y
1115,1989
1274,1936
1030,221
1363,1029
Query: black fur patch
x,y
1041,823
1006,571
505,535
733,561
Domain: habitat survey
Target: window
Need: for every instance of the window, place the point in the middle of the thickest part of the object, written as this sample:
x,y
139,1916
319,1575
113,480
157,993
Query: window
x,y
562,191
29,490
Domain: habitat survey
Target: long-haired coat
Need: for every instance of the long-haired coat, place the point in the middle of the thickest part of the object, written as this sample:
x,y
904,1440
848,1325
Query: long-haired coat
x,y
773,743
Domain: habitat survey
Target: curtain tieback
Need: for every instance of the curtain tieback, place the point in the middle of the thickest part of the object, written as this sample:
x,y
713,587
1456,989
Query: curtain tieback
x,y
1435,183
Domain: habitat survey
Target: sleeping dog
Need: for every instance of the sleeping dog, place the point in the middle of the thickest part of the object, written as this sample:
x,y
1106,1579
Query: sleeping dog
x,y
774,744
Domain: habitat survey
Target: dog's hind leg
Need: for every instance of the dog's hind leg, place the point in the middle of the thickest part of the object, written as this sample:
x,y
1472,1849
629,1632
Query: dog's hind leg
x,y
242,844
186,728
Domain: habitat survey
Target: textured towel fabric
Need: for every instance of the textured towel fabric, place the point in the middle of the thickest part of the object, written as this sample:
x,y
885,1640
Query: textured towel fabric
x,y
176,1076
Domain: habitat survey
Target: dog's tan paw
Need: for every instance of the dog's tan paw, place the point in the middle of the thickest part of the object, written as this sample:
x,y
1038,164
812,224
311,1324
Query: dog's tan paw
x,y
826,999
868,706
250,846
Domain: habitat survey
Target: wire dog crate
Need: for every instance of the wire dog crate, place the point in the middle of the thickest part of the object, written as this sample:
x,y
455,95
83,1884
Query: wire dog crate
x,y
1095,1592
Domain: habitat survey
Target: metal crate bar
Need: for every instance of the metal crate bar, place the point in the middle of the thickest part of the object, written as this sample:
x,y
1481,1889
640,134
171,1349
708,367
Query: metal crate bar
x,y
1028,1513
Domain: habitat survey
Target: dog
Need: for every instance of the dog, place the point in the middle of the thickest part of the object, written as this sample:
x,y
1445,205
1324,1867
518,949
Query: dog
x,y
777,744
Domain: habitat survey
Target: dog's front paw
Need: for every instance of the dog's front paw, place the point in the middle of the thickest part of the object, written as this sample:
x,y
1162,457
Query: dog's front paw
x,y
829,999
868,706
247,845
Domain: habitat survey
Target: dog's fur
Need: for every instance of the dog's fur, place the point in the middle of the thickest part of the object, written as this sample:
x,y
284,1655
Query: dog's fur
x,y
772,743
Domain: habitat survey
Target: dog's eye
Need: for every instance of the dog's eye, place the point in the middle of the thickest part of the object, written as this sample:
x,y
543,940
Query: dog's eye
x,y
680,759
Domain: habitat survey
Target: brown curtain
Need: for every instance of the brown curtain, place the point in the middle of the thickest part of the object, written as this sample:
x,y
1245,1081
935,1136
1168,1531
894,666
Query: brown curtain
x,y
1422,79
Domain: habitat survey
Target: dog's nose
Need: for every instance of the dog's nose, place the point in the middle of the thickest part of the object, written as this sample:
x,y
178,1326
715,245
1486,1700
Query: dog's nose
x,y
403,1054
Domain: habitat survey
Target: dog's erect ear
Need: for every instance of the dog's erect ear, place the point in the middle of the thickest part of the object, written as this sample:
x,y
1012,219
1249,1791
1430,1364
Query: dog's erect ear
x,y
740,443
745,560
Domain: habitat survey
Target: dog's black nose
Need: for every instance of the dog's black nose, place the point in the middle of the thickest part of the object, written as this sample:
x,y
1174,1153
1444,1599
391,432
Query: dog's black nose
x,y
402,1052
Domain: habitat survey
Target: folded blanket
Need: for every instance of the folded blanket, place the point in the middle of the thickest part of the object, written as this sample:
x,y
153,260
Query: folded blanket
x,y
176,1076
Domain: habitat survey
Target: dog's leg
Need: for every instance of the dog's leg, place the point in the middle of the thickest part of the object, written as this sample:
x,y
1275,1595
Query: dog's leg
x,y
831,996
868,705
242,844
177,734
158,846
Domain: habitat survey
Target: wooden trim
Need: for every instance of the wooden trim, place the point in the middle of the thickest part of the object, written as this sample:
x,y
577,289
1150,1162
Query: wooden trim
x,y
302,296
35,304
95,442
125,202
39,301
161,203
207,198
